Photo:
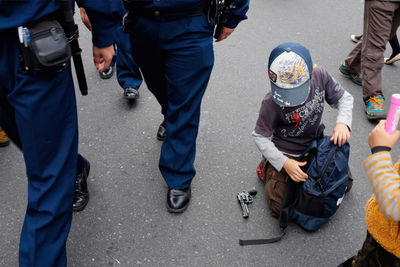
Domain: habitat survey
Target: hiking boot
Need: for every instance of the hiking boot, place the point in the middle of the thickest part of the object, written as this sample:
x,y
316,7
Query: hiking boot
x,y
393,58
355,38
374,108
3,138
355,77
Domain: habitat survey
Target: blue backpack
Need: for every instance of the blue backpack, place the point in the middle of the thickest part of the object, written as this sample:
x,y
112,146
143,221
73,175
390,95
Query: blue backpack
x,y
312,203
318,198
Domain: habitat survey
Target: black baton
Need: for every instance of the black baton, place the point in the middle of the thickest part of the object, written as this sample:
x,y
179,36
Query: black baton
x,y
72,33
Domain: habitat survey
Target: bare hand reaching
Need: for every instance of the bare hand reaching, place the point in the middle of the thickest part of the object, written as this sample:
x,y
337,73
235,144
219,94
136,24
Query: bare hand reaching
x,y
341,134
292,167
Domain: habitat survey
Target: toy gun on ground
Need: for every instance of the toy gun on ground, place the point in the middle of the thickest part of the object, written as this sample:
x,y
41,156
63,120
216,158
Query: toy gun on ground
x,y
245,198
72,33
219,11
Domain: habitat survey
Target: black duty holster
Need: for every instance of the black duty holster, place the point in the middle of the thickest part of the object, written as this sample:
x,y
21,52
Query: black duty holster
x,y
44,48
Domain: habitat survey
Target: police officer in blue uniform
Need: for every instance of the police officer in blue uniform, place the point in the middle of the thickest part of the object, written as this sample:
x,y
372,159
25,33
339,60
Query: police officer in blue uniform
x,y
38,112
172,43
128,73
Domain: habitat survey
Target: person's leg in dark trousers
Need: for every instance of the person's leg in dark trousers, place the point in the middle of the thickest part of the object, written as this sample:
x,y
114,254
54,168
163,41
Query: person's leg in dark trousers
x,y
39,115
351,67
380,24
394,44
395,56
128,73
150,59
179,60
353,59
188,67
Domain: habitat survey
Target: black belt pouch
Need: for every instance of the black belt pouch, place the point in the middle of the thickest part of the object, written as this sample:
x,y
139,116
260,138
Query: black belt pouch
x,y
47,50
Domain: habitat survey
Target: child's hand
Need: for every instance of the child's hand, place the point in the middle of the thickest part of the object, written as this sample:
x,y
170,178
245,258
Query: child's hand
x,y
341,134
292,167
379,137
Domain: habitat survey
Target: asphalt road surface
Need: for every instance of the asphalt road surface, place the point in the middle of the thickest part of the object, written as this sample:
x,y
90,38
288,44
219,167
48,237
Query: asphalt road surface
x,y
126,222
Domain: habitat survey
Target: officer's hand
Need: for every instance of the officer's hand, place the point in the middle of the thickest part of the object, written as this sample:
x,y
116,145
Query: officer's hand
x,y
341,134
292,167
102,57
379,137
224,34
85,19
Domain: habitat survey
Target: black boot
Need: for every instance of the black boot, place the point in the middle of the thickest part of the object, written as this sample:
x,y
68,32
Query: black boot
x,y
107,74
81,197
162,131
178,199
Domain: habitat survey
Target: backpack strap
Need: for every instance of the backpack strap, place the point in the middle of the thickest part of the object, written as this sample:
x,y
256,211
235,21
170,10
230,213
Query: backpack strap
x,y
291,192
312,148
330,157
262,241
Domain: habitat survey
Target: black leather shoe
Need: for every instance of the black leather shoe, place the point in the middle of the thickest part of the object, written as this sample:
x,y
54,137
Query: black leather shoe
x,y
162,131
81,197
107,74
178,199
131,93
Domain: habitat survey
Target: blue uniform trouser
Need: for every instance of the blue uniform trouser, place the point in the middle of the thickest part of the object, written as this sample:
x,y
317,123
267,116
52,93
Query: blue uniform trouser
x,y
39,115
176,58
128,73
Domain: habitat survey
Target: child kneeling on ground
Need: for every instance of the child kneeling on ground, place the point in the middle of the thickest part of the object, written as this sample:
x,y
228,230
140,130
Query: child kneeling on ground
x,y
382,244
290,116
